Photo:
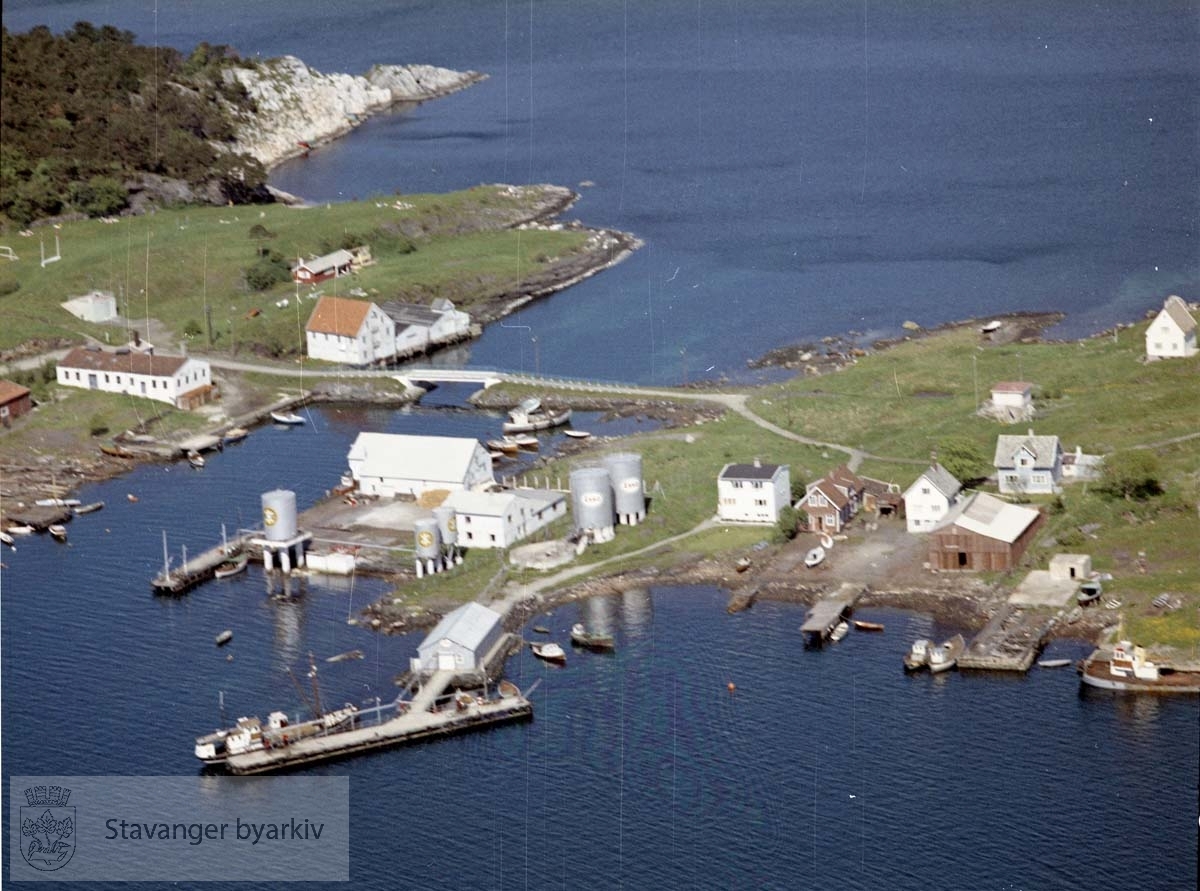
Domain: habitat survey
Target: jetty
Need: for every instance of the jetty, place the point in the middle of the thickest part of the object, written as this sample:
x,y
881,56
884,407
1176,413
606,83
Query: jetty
x,y
1010,641
199,568
829,610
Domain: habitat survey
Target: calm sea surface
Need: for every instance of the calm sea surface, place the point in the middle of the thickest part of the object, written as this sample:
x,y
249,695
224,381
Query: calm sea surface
x,y
796,170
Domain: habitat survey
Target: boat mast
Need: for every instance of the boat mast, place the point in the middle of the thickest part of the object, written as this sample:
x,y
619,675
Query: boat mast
x,y
166,559
316,690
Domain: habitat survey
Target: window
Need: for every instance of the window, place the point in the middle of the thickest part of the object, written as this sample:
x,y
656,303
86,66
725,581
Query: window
x,y
760,502
106,378
924,490
757,485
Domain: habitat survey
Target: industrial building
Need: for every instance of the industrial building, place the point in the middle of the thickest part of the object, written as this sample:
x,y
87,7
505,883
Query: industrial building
x,y
753,493
390,464
460,641
501,519
419,328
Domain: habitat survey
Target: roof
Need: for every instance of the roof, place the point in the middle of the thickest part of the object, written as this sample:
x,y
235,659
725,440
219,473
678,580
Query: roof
x,y
990,517
10,391
410,313
1178,311
402,456
1011,387
749,471
339,315
942,480
827,488
132,362
1044,449
468,626
336,260
480,504
845,477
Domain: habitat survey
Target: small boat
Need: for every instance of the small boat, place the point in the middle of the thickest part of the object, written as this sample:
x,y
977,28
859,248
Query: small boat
x,y
224,637
345,657
20,530
742,564
507,445
287,418
531,415
1089,592
509,690
58,502
577,434
1053,663
195,459
551,652
525,441
58,530
8,540
235,564
945,655
593,640
541,629
863,625
814,557
918,655
116,451
235,434
840,630
131,498
826,540
89,508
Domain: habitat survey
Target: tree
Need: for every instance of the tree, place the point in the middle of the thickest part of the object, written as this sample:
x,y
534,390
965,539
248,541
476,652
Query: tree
x,y
963,458
785,527
1131,474
799,488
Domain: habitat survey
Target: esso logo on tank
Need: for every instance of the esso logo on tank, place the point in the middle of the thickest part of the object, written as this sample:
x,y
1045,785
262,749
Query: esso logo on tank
x,y
592,499
631,485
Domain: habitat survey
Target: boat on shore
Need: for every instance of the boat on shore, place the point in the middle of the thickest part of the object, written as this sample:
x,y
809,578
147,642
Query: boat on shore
x,y
917,656
235,564
89,508
1089,593
287,418
742,564
550,652
577,434
840,630
22,529
1126,669
863,625
195,459
235,434
116,451
530,416
945,655
592,640
814,557
58,531
8,540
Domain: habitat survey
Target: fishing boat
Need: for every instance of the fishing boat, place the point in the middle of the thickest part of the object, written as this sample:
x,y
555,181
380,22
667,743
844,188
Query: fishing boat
x,y
814,557
235,434
840,630
1126,669
249,734
235,564
287,418
89,508
577,434
1053,663
550,652
58,531
863,625
1089,593
195,459
58,502
918,655
592,640
944,656
530,415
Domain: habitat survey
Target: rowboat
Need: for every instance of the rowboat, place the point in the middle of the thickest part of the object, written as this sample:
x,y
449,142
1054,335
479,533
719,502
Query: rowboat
x,y
345,657
235,434
224,637
1053,663
232,566
287,418
814,557
195,459
577,434
525,441
863,625
507,445
20,530
89,508
551,652
58,530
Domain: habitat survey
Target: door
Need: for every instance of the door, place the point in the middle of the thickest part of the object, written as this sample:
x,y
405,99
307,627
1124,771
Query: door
x,y
445,662
92,382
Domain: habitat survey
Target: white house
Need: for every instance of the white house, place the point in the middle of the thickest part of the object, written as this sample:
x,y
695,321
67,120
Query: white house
x,y
390,464
318,269
350,332
180,381
1028,464
460,641
927,502
753,493
1172,334
420,327
97,306
501,519
1012,394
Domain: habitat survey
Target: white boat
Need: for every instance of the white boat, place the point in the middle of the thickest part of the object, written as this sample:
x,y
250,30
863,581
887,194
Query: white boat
x,y
21,530
89,508
289,418
195,459
525,441
918,655
531,415
8,540
944,656
840,630
58,530
1053,663
577,434
814,557
235,564
235,434
550,651
224,637
58,502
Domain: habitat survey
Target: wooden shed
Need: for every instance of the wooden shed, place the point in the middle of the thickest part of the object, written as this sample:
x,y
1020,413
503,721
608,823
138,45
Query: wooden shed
x,y
986,534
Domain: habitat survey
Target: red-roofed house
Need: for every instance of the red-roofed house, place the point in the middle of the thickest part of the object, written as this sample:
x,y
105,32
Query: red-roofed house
x,y
350,332
180,381
14,401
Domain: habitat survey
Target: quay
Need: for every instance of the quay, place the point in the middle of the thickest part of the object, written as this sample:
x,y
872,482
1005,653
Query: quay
x,y
828,611
196,570
1010,641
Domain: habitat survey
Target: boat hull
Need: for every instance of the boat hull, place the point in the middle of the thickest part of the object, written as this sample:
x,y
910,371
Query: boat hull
x,y
1095,673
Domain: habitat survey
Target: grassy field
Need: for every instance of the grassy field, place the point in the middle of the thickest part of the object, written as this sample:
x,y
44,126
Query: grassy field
x,y
170,264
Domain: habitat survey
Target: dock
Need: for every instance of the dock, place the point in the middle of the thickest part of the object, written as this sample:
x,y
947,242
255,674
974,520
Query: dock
x,y
829,610
1010,641
410,721
196,570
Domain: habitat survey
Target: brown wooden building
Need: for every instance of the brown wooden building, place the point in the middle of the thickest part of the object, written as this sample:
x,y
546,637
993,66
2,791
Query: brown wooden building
x,y
14,401
985,534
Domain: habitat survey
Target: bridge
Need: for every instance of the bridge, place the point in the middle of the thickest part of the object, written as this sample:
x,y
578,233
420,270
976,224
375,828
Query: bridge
x,y
489,377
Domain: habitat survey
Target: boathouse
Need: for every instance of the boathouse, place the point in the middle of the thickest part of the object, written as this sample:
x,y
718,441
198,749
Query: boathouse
x,y
753,493
460,641
983,533
391,464
181,381
418,328
349,332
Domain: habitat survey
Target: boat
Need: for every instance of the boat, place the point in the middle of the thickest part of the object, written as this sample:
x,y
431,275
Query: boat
x,y
530,415
8,540
249,734
742,564
20,530
235,564
58,502
918,655
840,630
117,451
224,637
131,498
577,434
1053,663
1089,592
89,508
826,540
507,445
814,557
525,441
345,657
541,629
287,418
235,434
1126,669
509,690
58,530
195,459
593,640
945,655
551,652
863,625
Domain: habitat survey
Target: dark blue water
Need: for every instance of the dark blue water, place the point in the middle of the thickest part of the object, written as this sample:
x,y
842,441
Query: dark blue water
x,y
796,170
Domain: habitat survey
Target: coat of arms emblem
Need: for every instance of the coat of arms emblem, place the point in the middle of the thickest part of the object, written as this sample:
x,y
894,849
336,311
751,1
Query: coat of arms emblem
x,y
47,827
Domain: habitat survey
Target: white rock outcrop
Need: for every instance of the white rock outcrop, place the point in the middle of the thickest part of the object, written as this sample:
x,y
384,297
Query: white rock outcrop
x,y
299,107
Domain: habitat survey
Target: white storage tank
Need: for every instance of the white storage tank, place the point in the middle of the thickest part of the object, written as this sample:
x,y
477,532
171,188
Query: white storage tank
x,y
279,514
429,546
447,525
629,496
592,502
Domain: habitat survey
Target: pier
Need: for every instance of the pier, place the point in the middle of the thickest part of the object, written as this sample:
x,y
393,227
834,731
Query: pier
x,y
196,570
1010,641
828,611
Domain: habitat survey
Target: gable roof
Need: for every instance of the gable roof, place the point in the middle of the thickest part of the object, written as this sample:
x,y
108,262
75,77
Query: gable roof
x,y
1043,448
843,477
132,362
402,456
480,504
10,391
749,471
339,315
826,487
404,314
1011,386
991,517
939,478
1177,310
324,263
468,626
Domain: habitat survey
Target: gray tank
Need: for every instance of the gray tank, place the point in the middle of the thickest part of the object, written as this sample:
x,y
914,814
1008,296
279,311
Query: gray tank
x,y
447,525
279,514
425,530
629,497
591,498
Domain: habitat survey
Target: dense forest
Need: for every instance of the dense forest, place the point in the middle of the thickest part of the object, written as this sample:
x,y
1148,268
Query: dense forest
x,y
89,118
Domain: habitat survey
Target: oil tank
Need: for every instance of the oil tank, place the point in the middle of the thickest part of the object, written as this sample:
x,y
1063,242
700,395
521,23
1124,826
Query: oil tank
x,y
591,499
426,532
279,514
629,497
447,525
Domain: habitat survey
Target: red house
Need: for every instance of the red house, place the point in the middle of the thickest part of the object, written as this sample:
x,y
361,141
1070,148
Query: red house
x,y
309,272
14,401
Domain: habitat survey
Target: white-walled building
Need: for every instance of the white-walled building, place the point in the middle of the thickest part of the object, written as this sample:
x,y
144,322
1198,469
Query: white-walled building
x,y
180,381
501,519
1028,465
97,306
318,269
390,464
419,328
1012,394
349,332
460,641
753,493
1172,334
927,502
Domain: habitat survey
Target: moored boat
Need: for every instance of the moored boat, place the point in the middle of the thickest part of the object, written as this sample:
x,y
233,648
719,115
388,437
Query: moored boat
x,y
58,531
742,564
8,540
550,652
530,416
944,656
287,418
525,441
507,445
22,529
235,564
195,459
814,557
89,508
577,434
593,640
345,657
840,630
918,655
509,690
235,434
863,625
1126,669
1053,663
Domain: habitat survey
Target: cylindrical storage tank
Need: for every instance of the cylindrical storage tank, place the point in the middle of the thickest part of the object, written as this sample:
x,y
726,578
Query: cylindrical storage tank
x,y
629,497
279,514
426,532
591,498
447,525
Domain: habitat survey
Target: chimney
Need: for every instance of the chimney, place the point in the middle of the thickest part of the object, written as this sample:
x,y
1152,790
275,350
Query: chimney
x,y
758,462
1031,431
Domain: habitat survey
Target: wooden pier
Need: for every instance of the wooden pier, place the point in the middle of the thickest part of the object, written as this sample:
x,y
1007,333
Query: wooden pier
x,y
196,570
829,610
1010,641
